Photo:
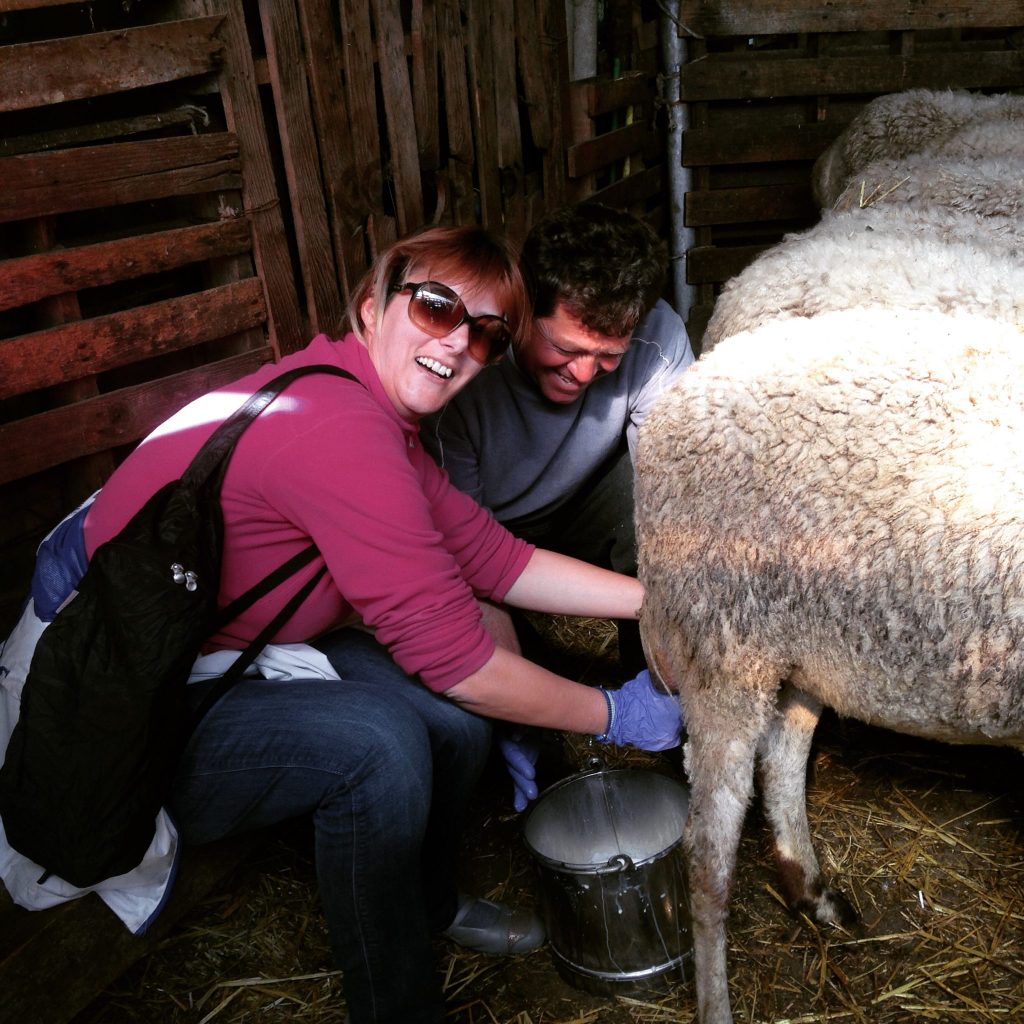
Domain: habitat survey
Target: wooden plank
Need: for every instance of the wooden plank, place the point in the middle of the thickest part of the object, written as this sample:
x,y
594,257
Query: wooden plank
x,y
555,60
360,76
243,112
334,136
485,114
506,90
750,205
720,145
77,135
54,962
717,79
31,278
634,189
603,95
79,67
425,93
45,358
705,18
96,176
48,439
714,264
457,180
286,62
597,153
399,115
536,97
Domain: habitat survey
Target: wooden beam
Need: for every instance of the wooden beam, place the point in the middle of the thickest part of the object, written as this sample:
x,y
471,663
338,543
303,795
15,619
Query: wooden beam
x,y
47,439
302,165
597,153
712,78
45,358
705,18
603,95
40,184
98,63
714,264
750,205
720,145
31,278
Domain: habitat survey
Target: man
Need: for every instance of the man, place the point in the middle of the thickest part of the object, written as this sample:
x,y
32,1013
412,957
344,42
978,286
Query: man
x,y
545,438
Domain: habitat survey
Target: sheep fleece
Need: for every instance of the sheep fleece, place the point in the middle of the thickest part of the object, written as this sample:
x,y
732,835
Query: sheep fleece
x,y
840,501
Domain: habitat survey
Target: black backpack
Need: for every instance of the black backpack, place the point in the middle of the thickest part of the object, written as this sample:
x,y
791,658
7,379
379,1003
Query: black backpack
x,y
103,711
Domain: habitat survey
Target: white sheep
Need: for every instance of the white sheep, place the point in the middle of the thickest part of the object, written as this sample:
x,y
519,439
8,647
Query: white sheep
x,y
900,124
830,511
896,256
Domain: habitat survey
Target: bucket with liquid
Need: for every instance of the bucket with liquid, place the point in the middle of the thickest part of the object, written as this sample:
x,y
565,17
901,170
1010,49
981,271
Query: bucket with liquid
x,y
608,845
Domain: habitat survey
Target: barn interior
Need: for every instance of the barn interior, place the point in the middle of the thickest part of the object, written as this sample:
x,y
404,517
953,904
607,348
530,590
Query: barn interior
x,y
192,188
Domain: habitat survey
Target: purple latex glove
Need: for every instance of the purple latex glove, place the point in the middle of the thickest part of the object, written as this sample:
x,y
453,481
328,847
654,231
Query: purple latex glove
x,y
642,716
520,747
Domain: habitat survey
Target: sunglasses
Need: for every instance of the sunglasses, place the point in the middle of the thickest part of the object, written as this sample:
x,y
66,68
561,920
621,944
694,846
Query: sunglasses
x,y
436,309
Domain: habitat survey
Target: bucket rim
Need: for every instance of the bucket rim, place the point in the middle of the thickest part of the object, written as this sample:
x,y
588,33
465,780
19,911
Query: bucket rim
x,y
617,863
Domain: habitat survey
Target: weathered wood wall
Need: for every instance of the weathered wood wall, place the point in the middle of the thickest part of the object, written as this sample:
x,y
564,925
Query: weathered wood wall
x,y
192,187
769,85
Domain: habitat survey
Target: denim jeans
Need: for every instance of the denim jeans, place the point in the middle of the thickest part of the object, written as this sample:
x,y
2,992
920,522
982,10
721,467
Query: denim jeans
x,y
385,768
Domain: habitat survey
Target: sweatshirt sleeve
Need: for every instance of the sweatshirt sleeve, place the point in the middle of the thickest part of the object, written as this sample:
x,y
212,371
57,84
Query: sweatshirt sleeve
x,y
404,548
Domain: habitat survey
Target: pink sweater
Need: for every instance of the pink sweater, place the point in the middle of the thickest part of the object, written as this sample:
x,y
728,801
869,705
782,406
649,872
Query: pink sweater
x,y
332,461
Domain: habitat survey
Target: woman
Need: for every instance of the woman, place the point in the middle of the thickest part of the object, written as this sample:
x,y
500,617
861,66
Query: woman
x,y
371,710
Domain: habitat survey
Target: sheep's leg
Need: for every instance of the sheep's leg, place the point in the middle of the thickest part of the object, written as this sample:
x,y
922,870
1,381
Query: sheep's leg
x,y
723,736
783,753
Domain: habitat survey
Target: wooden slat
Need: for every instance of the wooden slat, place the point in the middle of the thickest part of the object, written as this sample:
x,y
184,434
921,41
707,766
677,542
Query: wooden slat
x,y
635,189
768,17
334,137
554,56
714,264
603,95
597,153
48,439
31,278
510,137
425,94
305,185
360,76
750,205
46,358
243,112
485,115
459,177
717,79
79,67
97,176
536,94
720,145
399,113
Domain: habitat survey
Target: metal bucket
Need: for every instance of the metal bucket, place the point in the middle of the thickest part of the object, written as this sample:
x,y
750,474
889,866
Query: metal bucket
x,y
613,890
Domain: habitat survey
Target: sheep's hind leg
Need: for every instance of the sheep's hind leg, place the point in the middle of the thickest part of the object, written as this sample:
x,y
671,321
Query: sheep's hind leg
x,y
783,751
723,736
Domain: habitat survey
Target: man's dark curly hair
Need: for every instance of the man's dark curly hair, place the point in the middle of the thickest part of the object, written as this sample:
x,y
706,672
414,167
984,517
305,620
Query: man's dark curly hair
x,y
605,266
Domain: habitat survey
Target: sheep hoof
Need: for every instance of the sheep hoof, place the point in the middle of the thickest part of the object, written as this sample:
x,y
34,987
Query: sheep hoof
x,y
830,907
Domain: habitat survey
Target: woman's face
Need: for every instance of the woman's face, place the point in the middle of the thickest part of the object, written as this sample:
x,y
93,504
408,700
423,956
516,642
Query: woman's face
x,y
420,372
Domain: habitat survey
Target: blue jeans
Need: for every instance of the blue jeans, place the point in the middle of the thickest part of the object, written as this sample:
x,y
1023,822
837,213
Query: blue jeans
x,y
386,769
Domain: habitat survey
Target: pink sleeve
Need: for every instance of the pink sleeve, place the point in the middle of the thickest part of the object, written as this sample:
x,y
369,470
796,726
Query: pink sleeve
x,y
404,548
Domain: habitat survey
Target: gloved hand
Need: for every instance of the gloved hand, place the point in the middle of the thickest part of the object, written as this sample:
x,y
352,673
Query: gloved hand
x,y
520,746
642,716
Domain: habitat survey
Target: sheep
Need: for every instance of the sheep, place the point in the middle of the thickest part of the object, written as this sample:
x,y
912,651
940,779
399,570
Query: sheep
x,y
841,526
895,256
899,124
924,201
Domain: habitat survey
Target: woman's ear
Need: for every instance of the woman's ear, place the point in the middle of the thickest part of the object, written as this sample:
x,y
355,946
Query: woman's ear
x,y
368,313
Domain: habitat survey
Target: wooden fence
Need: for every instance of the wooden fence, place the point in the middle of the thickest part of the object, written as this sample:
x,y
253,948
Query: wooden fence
x,y
770,85
193,187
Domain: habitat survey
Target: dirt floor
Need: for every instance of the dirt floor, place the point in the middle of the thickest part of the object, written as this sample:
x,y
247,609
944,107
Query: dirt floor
x,y
925,839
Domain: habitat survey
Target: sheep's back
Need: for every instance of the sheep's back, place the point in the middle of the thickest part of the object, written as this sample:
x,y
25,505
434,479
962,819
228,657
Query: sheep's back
x,y
843,498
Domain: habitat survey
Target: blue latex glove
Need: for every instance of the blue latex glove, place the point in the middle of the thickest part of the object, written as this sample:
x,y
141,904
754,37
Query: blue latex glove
x,y
642,716
520,747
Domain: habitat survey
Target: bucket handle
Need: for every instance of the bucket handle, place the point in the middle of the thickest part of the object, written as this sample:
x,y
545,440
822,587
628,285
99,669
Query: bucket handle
x,y
620,862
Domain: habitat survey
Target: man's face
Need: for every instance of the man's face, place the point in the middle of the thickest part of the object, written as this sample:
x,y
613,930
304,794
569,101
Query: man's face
x,y
564,358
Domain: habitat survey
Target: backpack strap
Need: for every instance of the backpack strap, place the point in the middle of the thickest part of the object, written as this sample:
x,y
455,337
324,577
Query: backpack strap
x,y
213,457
